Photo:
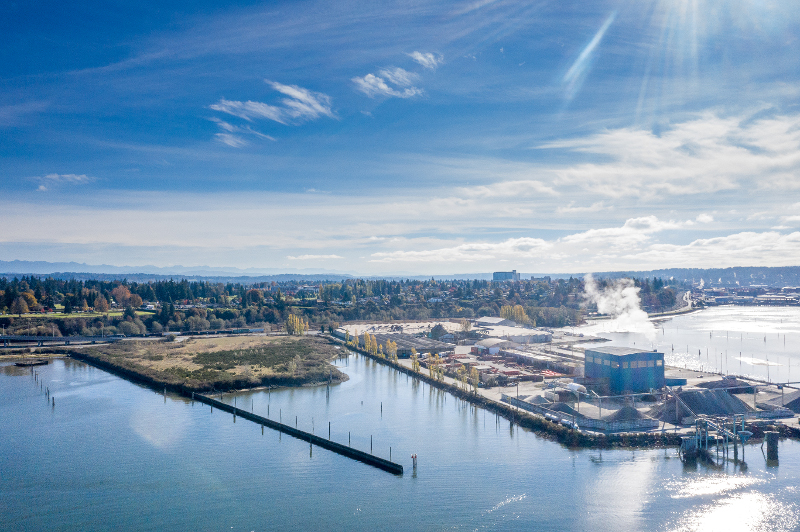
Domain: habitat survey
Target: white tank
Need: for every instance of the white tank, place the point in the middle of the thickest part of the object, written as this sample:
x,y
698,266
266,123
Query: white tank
x,y
575,387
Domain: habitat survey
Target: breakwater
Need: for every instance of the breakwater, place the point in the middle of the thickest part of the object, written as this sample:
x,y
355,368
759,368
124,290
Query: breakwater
x,y
150,382
344,450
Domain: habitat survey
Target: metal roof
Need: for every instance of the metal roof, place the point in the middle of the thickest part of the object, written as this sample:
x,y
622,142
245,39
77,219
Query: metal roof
x,y
619,351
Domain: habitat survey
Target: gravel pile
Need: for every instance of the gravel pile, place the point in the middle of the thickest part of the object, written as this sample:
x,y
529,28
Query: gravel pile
x,y
626,413
709,402
731,384
791,400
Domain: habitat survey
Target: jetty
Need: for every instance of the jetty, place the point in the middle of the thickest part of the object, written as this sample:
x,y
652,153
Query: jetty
x,y
344,450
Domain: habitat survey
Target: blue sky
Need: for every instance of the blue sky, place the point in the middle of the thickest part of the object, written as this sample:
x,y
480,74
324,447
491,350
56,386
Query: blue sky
x,y
413,137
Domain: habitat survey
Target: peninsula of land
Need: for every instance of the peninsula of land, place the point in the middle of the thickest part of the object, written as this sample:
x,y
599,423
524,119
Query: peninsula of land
x,y
218,363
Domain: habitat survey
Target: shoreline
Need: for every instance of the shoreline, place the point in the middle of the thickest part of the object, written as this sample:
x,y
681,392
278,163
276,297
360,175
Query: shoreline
x,y
319,372
567,436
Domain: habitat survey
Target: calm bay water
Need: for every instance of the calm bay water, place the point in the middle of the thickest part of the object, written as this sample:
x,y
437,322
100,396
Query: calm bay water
x,y
113,455
761,342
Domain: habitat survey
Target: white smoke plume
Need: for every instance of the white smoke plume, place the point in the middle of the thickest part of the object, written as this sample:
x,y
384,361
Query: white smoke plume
x,y
621,301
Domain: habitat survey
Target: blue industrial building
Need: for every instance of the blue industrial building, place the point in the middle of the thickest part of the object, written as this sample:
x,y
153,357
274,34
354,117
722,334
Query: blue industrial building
x,y
627,370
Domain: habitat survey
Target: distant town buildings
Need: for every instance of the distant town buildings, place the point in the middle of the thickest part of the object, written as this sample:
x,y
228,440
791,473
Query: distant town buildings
x,y
505,276
759,295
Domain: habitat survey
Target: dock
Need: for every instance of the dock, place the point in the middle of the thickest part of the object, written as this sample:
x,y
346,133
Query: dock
x,y
344,450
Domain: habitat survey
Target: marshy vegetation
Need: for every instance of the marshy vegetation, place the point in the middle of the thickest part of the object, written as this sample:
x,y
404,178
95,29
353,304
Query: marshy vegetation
x,y
222,363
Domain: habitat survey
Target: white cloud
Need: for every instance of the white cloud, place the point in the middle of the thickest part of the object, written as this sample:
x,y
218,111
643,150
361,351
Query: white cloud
x,y
400,77
373,86
68,178
427,59
249,110
509,189
314,257
48,180
702,156
512,248
230,140
300,106
594,207
740,249
704,218
633,231
230,135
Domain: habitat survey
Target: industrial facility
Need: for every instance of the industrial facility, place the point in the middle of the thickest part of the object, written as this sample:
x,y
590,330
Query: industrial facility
x,y
627,370
571,379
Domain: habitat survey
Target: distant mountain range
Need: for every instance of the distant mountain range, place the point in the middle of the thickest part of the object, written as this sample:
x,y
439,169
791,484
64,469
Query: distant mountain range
x,y
742,275
83,271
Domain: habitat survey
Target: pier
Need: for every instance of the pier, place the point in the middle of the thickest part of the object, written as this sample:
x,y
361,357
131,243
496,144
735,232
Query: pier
x,y
344,450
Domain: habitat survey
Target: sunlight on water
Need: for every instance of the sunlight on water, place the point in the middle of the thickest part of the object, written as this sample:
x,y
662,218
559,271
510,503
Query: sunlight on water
x,y
745,512
515,498
756,362
166,463
715,485
758,342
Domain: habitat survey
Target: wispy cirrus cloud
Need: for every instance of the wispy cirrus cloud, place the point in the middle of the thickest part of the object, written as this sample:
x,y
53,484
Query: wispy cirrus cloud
x,y
13,115
301,105
403,81
230,134
427,59
67,178
399,76
48,180
231,140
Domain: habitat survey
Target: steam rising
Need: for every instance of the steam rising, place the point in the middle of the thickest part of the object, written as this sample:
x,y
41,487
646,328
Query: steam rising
x,y
621,301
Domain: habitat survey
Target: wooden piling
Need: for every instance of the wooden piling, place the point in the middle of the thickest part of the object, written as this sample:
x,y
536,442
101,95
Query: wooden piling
x,y
367,458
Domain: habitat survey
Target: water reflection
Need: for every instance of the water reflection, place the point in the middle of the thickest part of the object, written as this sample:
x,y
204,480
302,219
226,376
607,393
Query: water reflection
x,y
747,512
180,466
752,341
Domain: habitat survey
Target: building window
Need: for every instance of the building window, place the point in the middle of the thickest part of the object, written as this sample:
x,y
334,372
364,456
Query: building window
x,y
659,362
625,365
651,363
606,362
615,364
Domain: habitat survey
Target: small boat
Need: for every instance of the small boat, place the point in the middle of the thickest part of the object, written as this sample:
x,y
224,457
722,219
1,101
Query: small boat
x,y
37,362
